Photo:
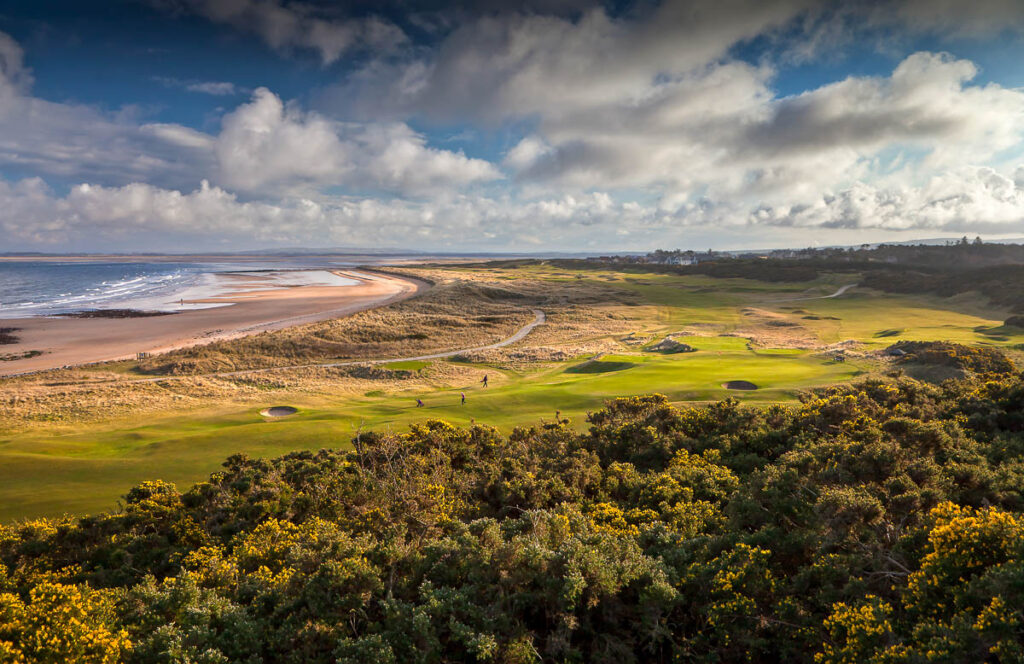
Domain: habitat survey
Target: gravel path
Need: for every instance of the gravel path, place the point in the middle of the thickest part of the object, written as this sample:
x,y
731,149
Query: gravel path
x,y
842,289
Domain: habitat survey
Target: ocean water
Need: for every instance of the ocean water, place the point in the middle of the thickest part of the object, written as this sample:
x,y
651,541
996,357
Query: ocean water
x,y
47,287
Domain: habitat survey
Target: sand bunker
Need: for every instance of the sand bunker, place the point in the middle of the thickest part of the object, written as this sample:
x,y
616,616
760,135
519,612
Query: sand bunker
x,y
739,385
278,411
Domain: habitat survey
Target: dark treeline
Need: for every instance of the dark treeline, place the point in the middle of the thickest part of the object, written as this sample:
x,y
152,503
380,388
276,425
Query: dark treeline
x,y
964,254
995,271
880,522
1002,285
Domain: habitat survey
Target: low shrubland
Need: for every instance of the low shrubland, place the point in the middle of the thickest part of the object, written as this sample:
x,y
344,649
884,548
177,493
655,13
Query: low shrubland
x,y
959,359
878,522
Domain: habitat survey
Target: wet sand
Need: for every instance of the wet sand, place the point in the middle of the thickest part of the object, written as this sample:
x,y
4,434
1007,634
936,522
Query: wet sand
x,y
253,308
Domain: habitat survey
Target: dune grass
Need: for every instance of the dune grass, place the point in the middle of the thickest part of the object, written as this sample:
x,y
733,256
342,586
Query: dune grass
x,y
78,466
408,365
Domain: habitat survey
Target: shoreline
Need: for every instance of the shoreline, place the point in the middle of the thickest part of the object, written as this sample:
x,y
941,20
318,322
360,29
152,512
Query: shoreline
x,y
197,290
248,309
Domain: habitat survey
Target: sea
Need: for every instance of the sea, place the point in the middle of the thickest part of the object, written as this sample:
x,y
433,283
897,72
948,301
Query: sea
x,y
52,287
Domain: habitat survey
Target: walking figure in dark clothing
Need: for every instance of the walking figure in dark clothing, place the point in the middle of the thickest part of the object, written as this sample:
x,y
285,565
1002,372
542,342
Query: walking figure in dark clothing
x,y
419,403
463,395
484,381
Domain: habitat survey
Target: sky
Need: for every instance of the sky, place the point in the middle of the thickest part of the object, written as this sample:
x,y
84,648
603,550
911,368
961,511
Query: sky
x,y
485,125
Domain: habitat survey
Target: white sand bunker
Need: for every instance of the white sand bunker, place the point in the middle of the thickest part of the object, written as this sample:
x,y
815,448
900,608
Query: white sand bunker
x,y
278,411
739,385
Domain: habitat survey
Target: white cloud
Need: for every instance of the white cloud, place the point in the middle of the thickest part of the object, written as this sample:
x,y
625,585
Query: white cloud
x,y
215,88
526,153
967,200
178,135
651,100
394,156
977,200
264,147
268,143
13,74
928,101
639,127
720,133
93,215
264,142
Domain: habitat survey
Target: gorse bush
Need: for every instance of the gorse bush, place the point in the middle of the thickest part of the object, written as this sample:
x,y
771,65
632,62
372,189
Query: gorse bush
x,y
975,359
880,522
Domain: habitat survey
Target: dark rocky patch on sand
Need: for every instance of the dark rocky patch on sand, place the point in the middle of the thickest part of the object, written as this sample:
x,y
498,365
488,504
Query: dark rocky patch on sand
x,y
115,313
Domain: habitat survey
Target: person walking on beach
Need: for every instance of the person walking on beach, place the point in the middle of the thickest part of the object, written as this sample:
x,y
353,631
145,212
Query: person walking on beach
x,y
419,403
463,395
484,381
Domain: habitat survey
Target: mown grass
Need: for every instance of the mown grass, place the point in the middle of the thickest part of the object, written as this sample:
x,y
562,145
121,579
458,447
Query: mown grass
x,y
74,465
881,320
49,472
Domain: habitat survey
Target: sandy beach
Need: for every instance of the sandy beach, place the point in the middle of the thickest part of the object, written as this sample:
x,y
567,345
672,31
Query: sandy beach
x,y
255,305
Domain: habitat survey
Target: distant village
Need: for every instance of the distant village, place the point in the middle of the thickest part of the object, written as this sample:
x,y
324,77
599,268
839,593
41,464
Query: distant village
x,y
888,253
690,257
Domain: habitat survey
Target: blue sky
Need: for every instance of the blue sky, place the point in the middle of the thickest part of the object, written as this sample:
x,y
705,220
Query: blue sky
x,y
211,125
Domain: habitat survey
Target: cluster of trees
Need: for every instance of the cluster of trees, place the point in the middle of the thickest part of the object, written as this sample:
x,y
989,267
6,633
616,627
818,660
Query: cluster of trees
x,y
881,522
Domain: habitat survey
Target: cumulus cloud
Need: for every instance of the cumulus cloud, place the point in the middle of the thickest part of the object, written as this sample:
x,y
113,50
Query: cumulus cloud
x,y
95,214
837,133
266,142
297,25
967,200
977,200
927,100
634,125
264,146
263,142
722,133
651,99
